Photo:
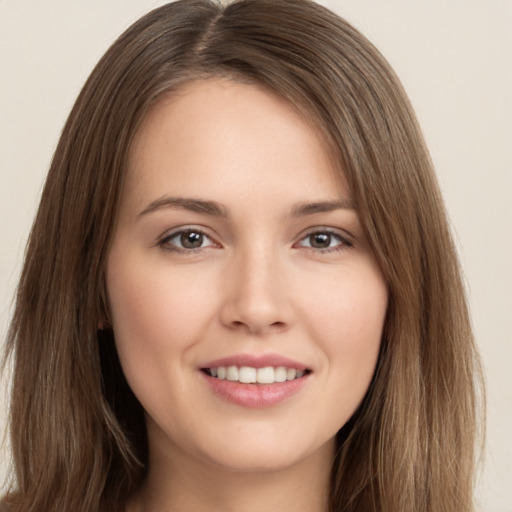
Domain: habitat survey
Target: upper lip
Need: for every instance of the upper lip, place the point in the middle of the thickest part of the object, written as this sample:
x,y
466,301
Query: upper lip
x,y
256,361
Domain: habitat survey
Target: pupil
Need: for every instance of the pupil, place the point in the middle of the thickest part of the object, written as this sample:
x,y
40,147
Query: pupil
x,y
191,240
320,240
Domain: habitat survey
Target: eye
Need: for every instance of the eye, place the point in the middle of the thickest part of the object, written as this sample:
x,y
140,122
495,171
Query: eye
x,y
325,241
185,240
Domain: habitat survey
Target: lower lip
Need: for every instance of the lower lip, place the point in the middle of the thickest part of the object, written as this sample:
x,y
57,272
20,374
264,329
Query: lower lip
x,y
255,395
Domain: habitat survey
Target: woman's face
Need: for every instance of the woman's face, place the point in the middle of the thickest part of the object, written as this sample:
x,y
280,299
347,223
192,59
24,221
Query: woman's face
x,y
238,256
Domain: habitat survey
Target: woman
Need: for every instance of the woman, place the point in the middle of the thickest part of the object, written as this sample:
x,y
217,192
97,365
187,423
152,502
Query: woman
x,y
241,282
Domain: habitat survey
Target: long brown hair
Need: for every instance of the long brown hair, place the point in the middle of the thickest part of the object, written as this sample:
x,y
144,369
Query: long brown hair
x,y
77,432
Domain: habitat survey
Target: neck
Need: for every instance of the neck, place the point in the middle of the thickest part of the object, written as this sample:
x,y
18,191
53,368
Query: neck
x,y
195,486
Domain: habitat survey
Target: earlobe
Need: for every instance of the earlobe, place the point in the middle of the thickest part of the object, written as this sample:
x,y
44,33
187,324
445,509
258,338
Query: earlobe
x,y
103,326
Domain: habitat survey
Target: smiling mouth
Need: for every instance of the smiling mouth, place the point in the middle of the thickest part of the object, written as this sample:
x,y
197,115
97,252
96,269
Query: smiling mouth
x,y
250,375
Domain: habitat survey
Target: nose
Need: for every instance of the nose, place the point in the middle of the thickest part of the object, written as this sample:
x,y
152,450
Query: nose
x,y
257,299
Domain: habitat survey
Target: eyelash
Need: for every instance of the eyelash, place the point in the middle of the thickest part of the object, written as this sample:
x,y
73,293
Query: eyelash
x,y
165,244
343,242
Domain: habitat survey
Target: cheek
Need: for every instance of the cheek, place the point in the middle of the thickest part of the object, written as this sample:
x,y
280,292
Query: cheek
x,y
347,320
350,306
157,315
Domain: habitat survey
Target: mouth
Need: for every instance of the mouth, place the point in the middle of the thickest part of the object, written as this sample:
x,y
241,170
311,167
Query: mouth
x,y
256,380
252,375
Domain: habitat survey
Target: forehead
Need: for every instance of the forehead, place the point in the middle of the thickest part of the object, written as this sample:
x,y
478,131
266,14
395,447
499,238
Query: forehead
x,y
216,134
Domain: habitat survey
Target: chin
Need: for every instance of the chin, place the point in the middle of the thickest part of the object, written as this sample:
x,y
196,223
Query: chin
x,y
265,453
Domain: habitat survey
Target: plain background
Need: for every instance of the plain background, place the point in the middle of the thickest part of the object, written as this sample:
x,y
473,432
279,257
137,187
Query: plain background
x,y
455,60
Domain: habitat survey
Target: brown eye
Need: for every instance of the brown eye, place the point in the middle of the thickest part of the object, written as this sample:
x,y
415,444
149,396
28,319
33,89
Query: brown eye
x,y
191,239
320,240
187,240
324,241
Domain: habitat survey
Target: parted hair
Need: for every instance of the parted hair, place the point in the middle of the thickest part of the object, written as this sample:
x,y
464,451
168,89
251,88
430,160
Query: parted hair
x,y
77,432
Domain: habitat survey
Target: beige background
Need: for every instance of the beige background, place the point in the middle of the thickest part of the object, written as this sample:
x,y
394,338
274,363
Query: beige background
x,y
455,59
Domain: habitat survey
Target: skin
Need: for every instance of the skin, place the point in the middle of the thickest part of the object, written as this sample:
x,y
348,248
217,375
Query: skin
x,y
257,284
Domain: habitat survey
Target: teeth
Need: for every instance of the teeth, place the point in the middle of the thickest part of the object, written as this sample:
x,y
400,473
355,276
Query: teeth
x,y
266,375
291,373
280,374
249,375
232,373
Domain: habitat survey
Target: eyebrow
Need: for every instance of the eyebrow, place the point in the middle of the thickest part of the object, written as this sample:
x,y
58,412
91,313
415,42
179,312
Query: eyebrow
x,y
302,210
195,205
217,210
